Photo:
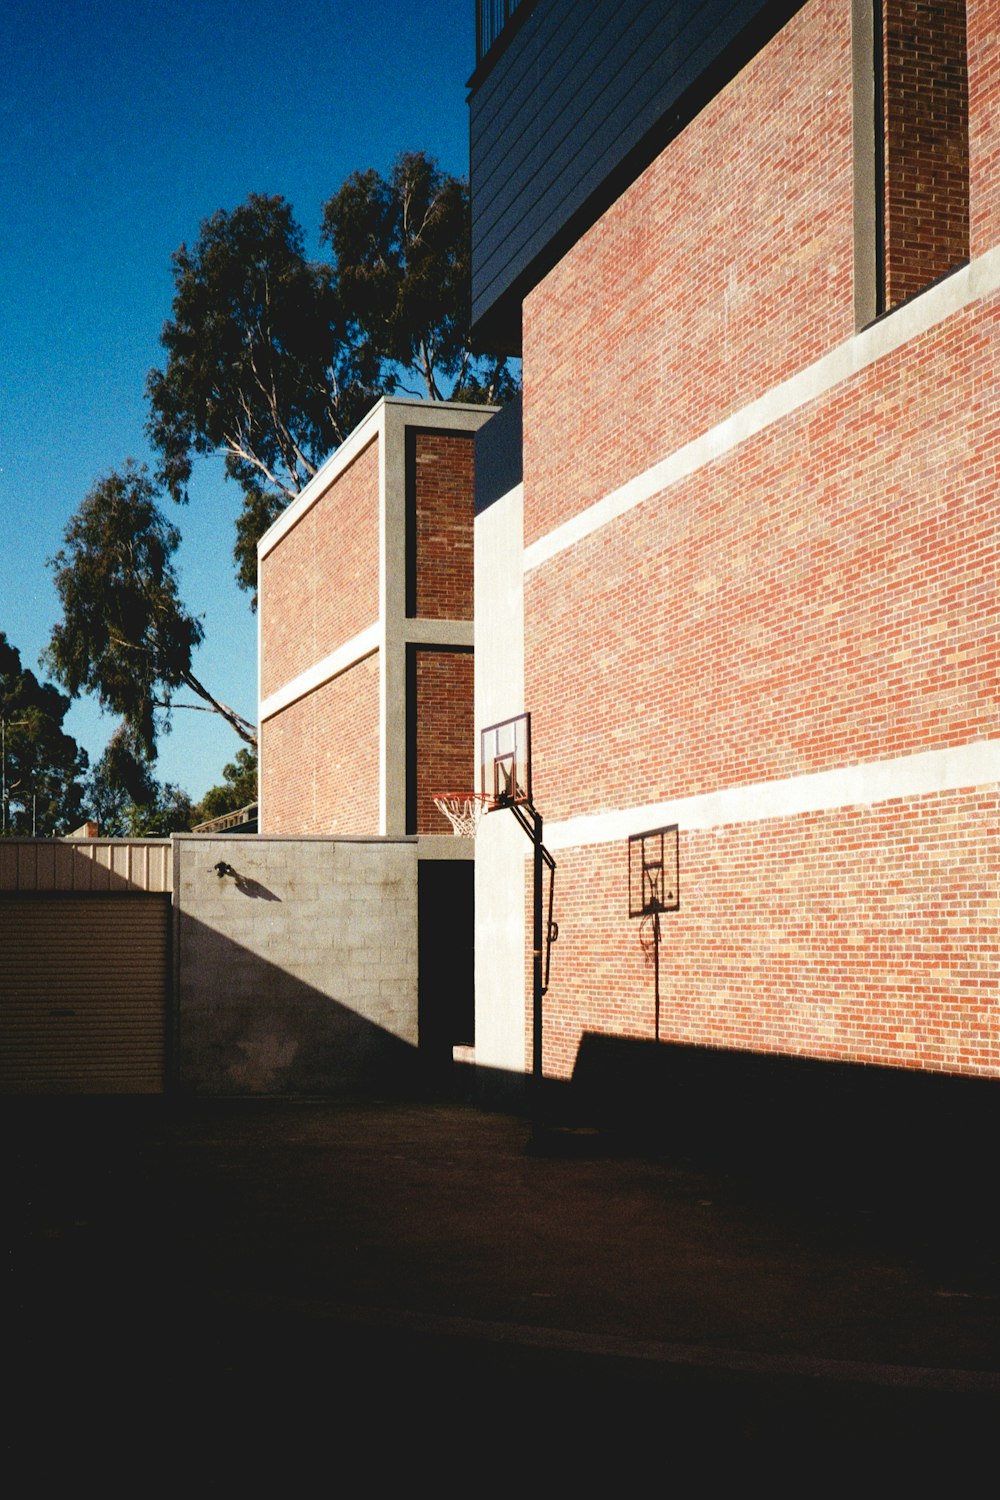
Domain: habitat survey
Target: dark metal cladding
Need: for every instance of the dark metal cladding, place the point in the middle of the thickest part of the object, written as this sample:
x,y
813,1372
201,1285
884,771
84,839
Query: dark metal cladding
x,y
495,21
574,106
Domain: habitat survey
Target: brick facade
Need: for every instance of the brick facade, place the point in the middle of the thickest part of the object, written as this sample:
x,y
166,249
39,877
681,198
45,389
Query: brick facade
x,y
724,268
926,133
809,590
328,564
442,684
370,569
983,28
322,760
817,596
441,477
864,934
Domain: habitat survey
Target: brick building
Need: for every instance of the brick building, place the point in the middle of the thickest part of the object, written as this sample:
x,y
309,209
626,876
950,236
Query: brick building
x,y
365,663
740,562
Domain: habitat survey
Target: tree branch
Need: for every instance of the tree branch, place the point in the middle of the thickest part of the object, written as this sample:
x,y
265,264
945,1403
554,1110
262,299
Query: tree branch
x,y
243,727
236,448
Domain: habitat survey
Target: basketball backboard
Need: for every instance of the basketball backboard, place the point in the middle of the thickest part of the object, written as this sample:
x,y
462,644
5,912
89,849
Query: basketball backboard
x,y
505,762
653,872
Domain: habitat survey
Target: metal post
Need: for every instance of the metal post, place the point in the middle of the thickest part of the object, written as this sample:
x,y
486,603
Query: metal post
x,y
543,930
656,968
536,1009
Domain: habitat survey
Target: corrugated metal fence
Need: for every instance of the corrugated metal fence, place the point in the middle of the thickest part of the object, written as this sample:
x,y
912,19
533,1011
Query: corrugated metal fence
x,y
84,965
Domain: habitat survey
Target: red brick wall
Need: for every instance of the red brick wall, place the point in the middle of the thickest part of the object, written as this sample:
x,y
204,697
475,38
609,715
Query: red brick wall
x,y
320,758
443,503
445,736
319,586
724,268
983,26
821,935
926,143
824,594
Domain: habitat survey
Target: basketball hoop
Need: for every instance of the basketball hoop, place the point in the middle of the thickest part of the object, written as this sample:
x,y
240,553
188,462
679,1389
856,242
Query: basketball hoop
x,y
463,810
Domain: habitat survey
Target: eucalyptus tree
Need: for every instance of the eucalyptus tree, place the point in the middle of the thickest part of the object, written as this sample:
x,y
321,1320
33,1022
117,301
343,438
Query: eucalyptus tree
x,y
257,367
125,800
125,635
401,259
273,358
41,766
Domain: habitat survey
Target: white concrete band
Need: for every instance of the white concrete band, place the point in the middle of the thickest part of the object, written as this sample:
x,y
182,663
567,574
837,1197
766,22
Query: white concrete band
x,y
348,655
907,776
979,279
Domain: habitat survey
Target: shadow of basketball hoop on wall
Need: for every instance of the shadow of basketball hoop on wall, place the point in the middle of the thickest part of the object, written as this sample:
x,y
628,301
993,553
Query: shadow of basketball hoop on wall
x,y
653,888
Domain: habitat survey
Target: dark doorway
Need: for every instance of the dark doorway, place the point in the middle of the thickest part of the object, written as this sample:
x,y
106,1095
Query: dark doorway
x,y
446,956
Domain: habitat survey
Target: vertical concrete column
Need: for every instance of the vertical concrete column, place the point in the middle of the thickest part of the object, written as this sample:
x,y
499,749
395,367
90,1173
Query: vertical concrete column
x,y
392,591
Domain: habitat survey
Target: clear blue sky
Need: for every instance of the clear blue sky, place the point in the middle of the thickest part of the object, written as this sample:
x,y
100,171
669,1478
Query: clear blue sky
x,y
123,124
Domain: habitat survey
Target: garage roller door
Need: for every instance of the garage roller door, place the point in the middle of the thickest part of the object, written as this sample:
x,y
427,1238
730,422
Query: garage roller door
x,y
83,994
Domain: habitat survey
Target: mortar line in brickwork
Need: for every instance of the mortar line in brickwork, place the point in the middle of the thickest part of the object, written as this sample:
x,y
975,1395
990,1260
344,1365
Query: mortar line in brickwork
x,y
973,283
956,768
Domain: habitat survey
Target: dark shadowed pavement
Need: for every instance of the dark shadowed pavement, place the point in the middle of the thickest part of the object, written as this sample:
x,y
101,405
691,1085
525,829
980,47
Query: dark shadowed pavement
x,y
234,1289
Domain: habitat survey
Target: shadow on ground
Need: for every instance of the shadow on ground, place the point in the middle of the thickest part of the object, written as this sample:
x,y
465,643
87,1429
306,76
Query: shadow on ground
x,y
409,1286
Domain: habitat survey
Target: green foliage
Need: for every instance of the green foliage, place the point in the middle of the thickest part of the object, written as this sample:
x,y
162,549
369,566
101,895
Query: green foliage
x,y
238,789
261,508
175,812
401,251
42,765
125,636
273,359
257,367
121,789
125,799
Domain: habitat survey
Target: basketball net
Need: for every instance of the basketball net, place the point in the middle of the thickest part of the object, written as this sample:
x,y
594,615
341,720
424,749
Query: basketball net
x,y
463,811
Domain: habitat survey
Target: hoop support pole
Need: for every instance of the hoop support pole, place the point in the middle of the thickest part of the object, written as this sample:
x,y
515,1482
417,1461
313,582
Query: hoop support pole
x,y
544,933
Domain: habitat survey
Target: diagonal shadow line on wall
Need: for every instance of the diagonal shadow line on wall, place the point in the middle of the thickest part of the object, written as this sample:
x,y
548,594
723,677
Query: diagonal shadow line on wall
x,y
246,1025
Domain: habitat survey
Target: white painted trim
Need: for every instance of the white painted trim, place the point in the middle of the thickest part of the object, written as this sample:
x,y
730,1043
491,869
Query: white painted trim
x,y
350,449
979,279
446,415
906,776
365,643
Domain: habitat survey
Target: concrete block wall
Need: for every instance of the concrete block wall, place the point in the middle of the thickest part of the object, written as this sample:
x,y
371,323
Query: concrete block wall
x,y
297,973
760,596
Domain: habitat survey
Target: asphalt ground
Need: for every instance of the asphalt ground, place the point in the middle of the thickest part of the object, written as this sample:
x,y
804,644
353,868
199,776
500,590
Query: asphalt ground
x,y
234,1289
